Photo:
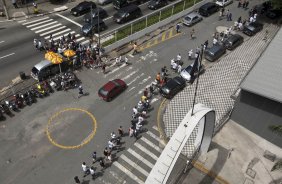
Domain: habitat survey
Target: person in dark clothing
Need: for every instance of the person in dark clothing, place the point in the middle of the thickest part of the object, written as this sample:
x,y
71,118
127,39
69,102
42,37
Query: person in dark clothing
x,y
76,179
102,164
120,131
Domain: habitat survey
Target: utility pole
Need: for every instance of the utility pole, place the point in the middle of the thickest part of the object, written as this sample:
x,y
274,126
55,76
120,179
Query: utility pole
x,y
5,9
99,31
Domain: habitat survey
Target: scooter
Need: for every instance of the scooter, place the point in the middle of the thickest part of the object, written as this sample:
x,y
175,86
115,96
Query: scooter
x,y
5,109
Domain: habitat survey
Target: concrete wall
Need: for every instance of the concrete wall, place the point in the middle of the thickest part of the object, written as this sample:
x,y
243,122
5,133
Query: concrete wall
x,y
257,113
141,33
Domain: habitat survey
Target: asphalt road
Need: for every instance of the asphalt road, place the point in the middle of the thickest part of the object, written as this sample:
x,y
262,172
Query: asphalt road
x,y
28,156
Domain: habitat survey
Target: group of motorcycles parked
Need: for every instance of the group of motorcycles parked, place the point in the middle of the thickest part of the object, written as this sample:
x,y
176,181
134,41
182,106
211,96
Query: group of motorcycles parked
x,y
43,89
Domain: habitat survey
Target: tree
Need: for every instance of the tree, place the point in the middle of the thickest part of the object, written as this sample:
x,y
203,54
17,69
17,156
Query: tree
x,y
277,129
277,4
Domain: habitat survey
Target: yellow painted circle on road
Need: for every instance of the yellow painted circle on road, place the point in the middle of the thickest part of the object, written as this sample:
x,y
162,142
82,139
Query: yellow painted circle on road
x,y
85,141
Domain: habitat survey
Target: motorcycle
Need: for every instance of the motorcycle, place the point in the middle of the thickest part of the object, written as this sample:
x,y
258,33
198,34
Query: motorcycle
x,y
41,90
12,105
5,109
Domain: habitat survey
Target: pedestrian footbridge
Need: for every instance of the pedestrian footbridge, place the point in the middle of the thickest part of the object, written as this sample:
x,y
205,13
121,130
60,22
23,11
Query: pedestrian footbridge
x,y
202,123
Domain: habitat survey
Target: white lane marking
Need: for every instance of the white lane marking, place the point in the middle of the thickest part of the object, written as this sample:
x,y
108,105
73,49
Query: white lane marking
x,y
85,42
21,21
151,134
129,68
32,25
129,75
42,26
130,55
130,174
134,165
79,39
145,80
139,157
114,70
53,30
154,100
155,127
130,89
108,18
58,37
35,21
152,145
6,55
47,28
145,150
66,18
137,77
2,41
57,33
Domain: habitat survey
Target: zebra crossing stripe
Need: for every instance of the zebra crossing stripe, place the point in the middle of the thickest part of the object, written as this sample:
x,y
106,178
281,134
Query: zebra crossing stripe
x,y
58,33
79,39
51,31
155,128
58,37
139,157
42,26
145,150
50,27
134,165
153,136
35,21
21,21
152,145
36,24
85,42
128,173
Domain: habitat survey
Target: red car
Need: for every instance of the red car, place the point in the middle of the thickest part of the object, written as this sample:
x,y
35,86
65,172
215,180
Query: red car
x,y
112,89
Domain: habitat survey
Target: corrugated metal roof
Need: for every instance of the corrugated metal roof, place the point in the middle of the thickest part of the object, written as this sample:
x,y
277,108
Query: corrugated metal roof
x,y
265,78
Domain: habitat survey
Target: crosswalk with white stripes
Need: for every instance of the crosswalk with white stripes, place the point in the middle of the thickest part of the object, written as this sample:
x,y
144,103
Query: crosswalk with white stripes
x,y
46,26
135,164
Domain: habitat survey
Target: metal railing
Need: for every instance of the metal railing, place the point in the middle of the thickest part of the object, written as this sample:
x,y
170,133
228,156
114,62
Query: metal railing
x,y
146,21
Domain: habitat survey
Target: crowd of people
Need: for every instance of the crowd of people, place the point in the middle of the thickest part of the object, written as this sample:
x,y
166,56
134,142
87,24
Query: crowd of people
x,y
85,55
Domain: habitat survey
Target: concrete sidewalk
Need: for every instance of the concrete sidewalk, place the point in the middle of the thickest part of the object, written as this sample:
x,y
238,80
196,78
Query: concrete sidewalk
x,y
45,7
236,156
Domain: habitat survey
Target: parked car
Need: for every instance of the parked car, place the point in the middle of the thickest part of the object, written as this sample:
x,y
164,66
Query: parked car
x,y
104,2
273,14
233,41
223,3
127,13
172,87
208,9
215,52
252,28
156,4
94,27
97,12
192,18
112,89
187,74
82,8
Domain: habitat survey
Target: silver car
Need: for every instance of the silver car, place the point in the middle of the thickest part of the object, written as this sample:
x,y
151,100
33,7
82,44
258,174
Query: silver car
x,y
192,18
104,2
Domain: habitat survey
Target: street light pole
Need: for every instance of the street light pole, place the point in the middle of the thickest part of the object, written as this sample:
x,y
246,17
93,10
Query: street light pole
x,y
99,31
5,9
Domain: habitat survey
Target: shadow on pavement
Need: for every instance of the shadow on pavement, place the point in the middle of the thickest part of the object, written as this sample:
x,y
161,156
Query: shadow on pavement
x,y
218,164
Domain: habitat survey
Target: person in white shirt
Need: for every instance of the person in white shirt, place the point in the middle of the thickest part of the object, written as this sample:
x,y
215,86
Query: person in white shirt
x,y
92,172
178,58
214,41
190,54
85,169
251,19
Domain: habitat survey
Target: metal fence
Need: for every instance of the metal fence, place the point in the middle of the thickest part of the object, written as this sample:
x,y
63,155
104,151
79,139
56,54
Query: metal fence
x,y
148,23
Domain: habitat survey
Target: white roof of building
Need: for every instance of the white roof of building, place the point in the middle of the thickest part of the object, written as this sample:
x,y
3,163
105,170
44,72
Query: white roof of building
x,y
265,78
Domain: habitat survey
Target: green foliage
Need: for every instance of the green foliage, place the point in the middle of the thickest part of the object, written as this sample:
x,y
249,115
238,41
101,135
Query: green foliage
x,y
153,19
277,165
277,4
276,129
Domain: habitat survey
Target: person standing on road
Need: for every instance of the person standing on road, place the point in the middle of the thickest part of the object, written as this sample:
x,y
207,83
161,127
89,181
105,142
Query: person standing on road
x,y
190,53
94,157
92,172
104,68
14,2
135,48
102,164
76,179
177,28
80,91
192,34
85,169
120,131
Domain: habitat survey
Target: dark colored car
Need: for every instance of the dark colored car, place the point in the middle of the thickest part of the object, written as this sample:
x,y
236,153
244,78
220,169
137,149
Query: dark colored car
x,y
214,52
233,41
208,9
82,8
156,4
112,89
274,14
97,12
172,87
252,28
90,28
127,13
